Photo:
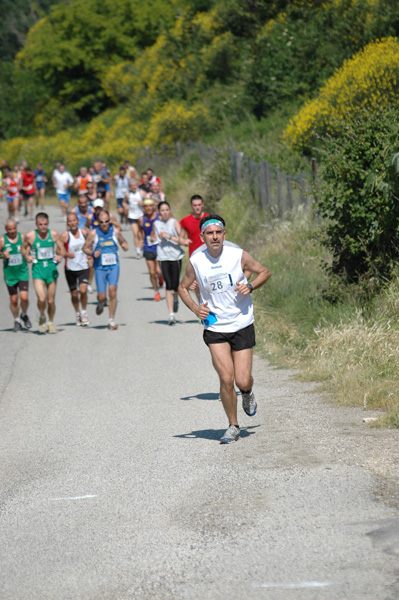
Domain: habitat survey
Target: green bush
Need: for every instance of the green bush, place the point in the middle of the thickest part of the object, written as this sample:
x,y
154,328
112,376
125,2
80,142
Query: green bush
x,y
359,194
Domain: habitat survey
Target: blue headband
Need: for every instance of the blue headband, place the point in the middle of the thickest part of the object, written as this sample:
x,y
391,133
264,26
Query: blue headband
x,y
212,222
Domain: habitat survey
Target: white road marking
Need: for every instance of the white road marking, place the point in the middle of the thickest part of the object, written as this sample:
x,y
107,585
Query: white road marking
x,y
76,497
300,584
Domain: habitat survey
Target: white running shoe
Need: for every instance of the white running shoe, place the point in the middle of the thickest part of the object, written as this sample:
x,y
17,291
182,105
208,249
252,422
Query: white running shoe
x,y
84,319
230,435
249,404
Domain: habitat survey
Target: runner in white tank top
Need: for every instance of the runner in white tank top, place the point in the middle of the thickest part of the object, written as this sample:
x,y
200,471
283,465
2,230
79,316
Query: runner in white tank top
x,y
226,311
76,267
132,203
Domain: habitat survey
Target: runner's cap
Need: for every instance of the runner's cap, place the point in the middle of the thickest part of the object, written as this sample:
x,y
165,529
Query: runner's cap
x,y
98,203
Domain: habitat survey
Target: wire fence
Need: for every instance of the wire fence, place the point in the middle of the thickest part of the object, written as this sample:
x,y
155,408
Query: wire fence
x,y
277,193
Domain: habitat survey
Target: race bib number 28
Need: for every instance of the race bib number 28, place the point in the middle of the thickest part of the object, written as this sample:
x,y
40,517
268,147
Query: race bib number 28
x,y
218,283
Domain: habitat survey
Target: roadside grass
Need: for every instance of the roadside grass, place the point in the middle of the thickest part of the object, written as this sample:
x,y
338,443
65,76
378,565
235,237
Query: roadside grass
x,y
350,345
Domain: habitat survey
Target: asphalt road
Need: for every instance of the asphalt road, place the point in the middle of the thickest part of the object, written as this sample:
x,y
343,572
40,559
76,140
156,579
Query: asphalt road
x,y
114,486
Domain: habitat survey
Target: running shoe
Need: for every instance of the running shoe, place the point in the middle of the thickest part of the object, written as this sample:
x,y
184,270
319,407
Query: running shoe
x,y
78,320
17,326
51,328
172,320
26,321
100,307
84,319
112,326
43,325
157,297
160,281
175,305
249,404
230,435
89,288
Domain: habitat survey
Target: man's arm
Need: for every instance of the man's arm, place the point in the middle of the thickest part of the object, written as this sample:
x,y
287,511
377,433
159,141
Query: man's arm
x,y
249,264
184,233
114,222
180,232
26,246
60,248
63,239
122,241
201,311
88,244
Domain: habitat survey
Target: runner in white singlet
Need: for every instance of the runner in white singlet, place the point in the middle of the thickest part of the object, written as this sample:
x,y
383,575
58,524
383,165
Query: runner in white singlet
x,y
226,312
132,203
76,267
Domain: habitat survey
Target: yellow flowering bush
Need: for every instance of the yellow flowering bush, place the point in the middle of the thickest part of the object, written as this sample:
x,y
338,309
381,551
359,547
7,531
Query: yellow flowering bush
x,y
178,121
369,80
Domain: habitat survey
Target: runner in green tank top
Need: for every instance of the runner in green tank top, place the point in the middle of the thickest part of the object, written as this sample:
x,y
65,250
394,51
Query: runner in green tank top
x,y
16,273
44,268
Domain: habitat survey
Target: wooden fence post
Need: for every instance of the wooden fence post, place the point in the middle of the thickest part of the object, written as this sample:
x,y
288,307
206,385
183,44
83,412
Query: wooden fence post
x,y
262,185
289,192
280,208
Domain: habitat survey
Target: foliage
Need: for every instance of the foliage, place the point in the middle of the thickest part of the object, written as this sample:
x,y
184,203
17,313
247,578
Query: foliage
x,y
359,195
370,79
298,50
78,40
177,121
17,16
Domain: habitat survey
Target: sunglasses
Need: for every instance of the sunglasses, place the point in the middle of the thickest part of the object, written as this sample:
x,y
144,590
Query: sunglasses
x,y
104,221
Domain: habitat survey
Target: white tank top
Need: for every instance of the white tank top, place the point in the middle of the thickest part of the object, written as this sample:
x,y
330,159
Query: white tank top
x,y
217,279
121,186
75,245
135,211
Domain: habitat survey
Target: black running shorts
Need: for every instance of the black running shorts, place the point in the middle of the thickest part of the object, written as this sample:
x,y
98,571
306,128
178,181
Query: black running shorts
x,y
238,340
75,278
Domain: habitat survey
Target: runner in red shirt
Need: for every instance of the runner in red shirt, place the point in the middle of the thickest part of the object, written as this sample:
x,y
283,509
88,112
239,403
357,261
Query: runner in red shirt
x,y
191,223
28,190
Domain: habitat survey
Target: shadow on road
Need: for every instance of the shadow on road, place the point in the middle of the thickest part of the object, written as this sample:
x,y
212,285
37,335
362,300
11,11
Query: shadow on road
x,y
208,396
215,434
20,331
105,326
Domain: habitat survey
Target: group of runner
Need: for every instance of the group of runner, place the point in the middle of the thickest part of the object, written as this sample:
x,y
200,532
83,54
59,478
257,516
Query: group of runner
x,y
217,270
90,244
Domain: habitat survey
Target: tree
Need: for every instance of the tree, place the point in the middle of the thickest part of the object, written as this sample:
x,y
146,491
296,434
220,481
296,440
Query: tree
x,y
70,48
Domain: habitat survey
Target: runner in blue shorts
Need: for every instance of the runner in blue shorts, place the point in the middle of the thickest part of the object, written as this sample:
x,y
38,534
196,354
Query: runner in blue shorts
x,y
63,180
102,245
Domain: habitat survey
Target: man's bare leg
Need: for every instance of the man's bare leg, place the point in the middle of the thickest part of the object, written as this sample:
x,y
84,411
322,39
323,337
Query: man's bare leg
x,y
222,360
